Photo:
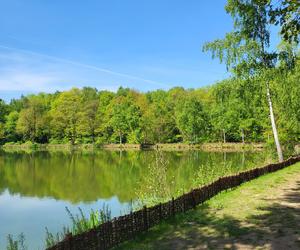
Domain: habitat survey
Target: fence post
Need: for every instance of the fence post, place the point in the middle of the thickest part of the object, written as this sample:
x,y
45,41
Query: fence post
x,y
68,239
173,207
145,218
160,213
109,234
132,225
194,198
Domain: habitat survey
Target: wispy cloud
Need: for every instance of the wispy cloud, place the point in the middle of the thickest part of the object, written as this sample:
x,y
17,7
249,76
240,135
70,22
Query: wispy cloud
x,y
25,70
26,81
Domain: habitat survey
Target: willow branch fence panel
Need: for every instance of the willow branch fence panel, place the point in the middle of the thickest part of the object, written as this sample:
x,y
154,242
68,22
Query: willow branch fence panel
x,y
126,227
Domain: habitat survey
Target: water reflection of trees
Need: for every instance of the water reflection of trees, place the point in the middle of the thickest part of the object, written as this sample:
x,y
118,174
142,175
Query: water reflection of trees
x,y
156,186
87,176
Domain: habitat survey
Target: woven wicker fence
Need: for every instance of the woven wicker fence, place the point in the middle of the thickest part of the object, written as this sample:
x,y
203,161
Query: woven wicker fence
x,y
126,227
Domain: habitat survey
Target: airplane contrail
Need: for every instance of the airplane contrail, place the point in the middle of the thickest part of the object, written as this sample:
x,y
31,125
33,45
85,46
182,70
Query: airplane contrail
x,y
84,65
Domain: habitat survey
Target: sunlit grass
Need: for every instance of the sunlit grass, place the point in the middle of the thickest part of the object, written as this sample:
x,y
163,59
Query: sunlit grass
x,y
231,214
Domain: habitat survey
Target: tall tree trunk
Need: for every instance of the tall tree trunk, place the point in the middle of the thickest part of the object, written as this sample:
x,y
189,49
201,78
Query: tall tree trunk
x,y
275,133
93,136
243,136
224,136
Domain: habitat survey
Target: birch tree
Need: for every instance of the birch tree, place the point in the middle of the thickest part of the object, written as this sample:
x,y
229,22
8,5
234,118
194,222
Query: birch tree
x,y
247,51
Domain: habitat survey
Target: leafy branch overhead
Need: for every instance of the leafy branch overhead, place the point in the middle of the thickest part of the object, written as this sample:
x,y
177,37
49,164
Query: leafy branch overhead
x,y
246,50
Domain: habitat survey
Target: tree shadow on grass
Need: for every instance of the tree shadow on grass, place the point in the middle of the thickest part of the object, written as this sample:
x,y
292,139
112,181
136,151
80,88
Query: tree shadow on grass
x,y
275,226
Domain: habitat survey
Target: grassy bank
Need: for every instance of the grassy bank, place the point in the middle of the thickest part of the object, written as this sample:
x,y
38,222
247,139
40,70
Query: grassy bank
x,y
228,147
217,146
261,214
37,146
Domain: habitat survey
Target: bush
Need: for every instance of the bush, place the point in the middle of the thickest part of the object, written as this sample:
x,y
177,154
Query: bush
x,y
100,141
134,137
28,143
54,141
9,143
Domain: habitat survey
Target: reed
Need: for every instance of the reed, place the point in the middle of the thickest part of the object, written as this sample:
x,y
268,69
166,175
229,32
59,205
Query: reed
x,y
16,244
79,224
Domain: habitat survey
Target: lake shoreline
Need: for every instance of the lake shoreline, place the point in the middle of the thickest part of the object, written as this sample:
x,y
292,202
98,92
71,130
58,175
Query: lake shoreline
x,y
209,147
122,180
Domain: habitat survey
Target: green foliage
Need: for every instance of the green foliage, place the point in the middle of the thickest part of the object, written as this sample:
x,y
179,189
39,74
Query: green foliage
x,y
89,120
239,106
33,119
245,49
235,107
247,52
2,133
3,111
159,121
286,90
65,113
11,125
124,117
192,120
287,15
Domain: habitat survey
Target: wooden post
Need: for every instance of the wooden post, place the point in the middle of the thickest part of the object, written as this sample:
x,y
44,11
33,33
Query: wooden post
x,y
194,199
145,218
173,207
109,234
68,239
132,225
160,212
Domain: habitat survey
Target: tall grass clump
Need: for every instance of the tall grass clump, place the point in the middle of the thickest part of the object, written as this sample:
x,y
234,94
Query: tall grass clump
x,y
16,244
79,224
155,188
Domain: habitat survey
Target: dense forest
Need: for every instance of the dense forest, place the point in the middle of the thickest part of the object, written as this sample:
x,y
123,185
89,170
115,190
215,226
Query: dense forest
x,y
233,110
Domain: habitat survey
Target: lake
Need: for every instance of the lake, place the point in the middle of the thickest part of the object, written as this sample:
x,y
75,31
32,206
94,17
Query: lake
x,y
36,187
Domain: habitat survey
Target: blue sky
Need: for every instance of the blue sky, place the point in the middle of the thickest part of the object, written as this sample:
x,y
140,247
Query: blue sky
x,y
145,45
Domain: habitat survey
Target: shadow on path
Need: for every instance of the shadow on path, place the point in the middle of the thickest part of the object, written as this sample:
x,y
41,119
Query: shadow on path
x,y
274,226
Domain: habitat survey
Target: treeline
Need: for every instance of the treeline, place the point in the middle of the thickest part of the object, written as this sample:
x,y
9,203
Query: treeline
x,y
233,110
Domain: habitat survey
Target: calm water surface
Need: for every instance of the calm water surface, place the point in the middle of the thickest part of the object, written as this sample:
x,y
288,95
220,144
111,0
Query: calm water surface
x,y
35,187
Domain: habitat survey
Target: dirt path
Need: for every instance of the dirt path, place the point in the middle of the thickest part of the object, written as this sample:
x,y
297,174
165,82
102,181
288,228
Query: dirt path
x,y
278,227
261,214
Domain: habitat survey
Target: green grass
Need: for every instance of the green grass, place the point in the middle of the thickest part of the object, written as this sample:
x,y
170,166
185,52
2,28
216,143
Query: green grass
x,y
250,214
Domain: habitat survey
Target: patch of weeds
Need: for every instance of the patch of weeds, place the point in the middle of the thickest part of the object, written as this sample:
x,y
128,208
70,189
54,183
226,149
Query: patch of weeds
x,y
80,224
218,206
16,244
